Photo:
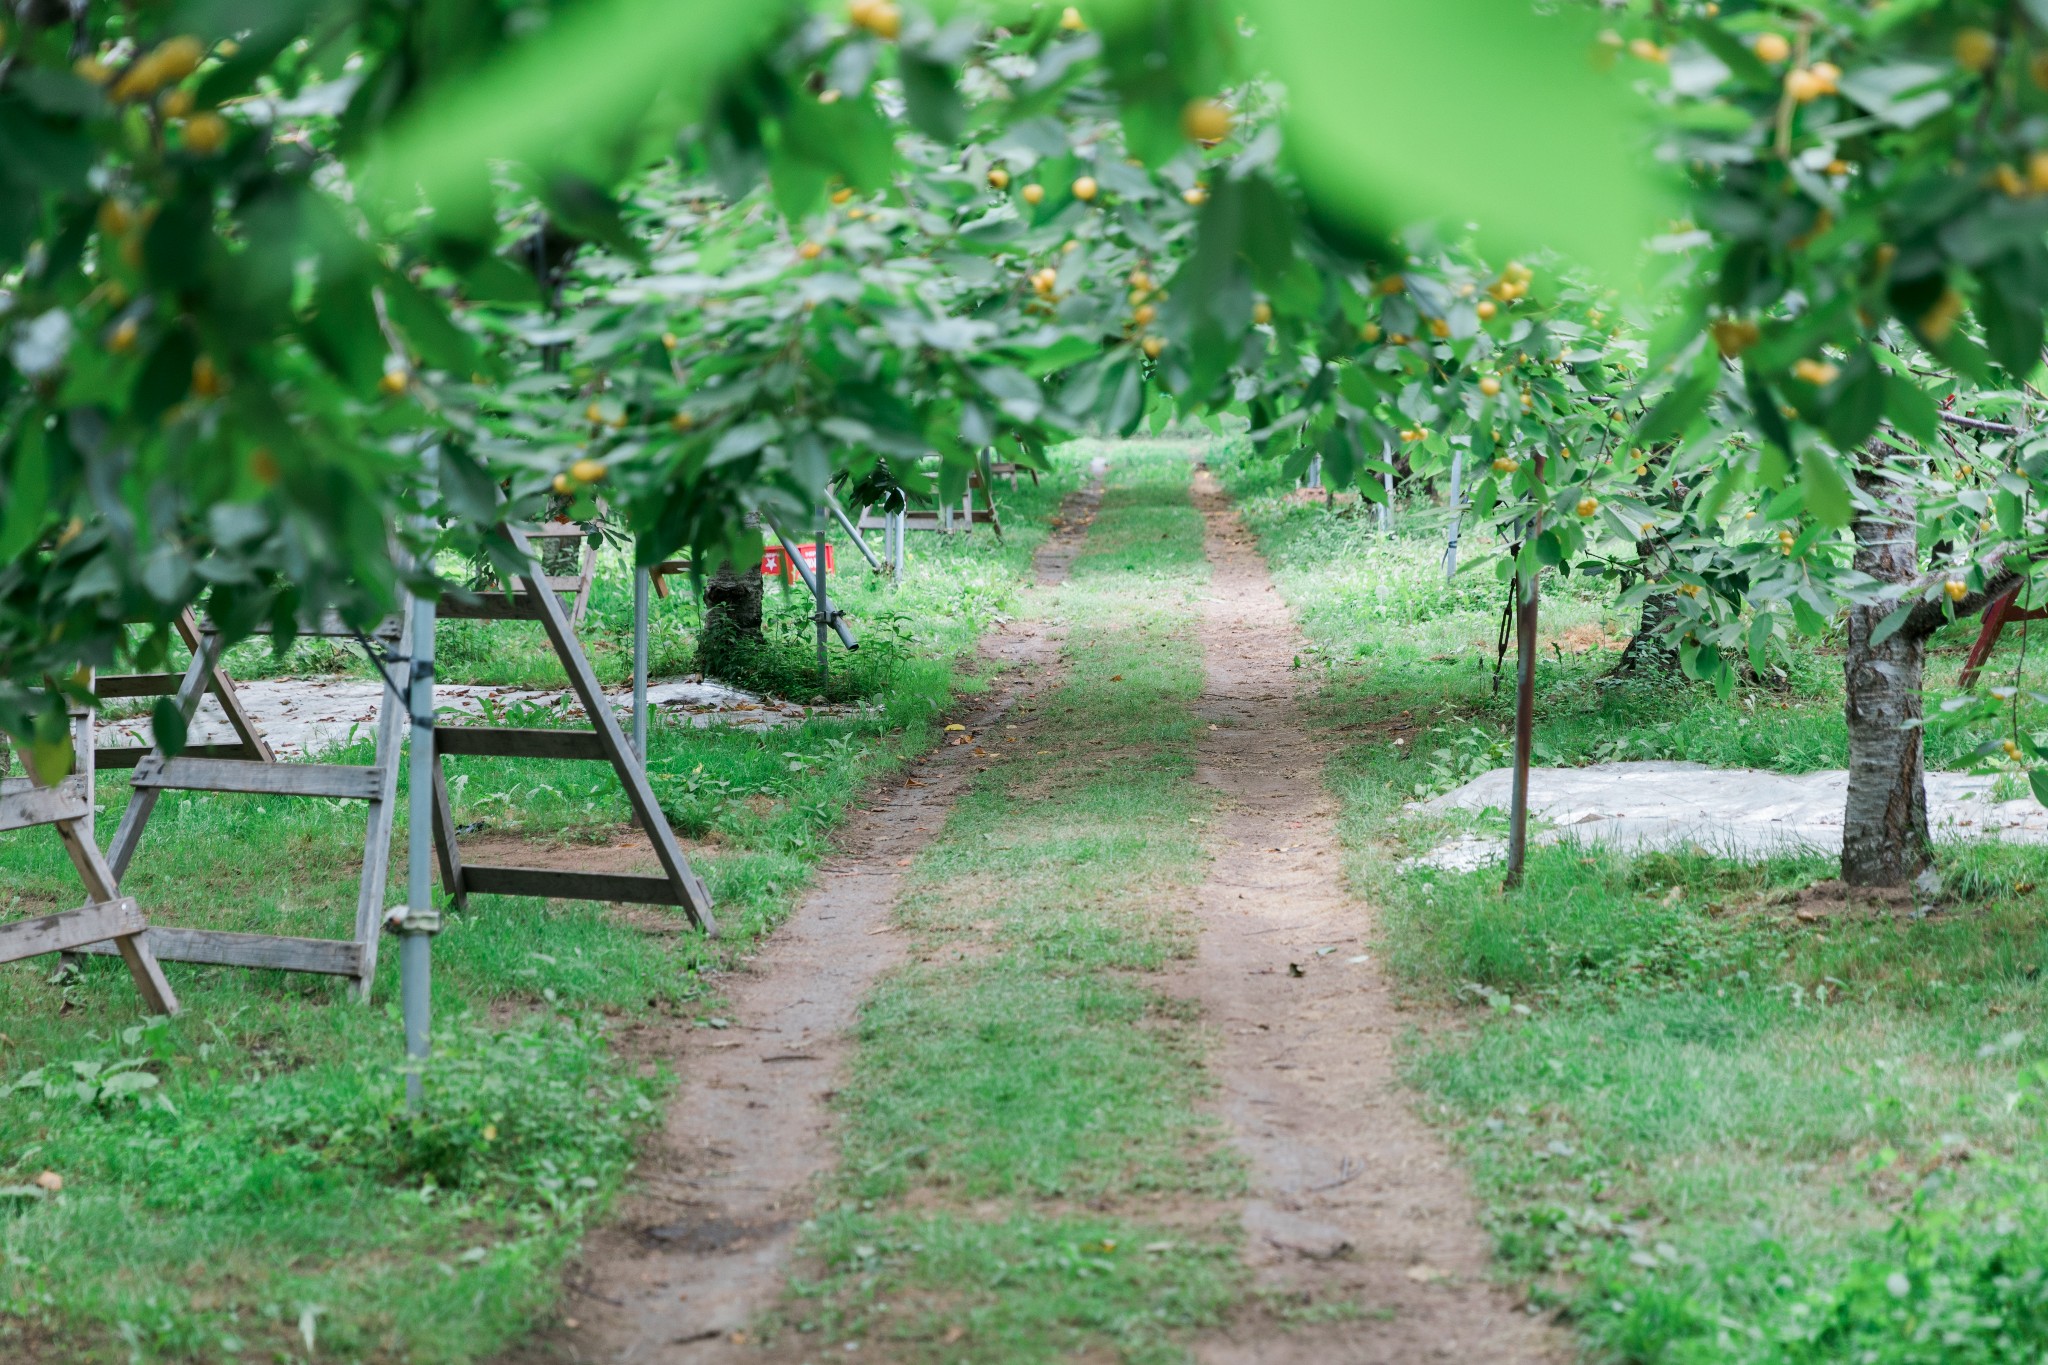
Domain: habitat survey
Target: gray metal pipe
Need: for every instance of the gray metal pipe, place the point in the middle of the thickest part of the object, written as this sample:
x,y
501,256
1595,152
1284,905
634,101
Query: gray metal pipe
x,y
415,969
838,617
839,514
1457,515
641,579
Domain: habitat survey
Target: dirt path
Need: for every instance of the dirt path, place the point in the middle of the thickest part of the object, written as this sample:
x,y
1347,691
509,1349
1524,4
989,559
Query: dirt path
x,y
1354,1198
702,1246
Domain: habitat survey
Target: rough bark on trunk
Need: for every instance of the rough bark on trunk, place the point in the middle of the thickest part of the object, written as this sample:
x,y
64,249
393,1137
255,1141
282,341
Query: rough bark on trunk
x,y
732,634
1650,652
1885,840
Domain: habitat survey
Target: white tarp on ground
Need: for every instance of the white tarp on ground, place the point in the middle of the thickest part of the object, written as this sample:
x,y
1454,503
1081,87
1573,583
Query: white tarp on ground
x,y
1734,812
307,715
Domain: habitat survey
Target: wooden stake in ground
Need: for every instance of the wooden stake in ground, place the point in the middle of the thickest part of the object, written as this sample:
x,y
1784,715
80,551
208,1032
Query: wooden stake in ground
x,y
1526,585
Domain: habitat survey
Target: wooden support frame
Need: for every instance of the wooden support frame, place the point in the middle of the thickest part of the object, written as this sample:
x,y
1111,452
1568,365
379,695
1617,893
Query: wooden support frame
x,y
1997,613
580,581
209,770
532,598
107,920
249,740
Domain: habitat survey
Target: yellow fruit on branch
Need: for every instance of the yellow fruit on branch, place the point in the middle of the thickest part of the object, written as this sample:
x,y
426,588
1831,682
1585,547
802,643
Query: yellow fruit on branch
x,y
207,380
1205,121
1771,47
1154,347
562,486
175,104
594,415
1804,86
842,194
1733,336
879,17
122,340
1506,465
1262,313
393,382
1085,188
668,341
2012,749
1369,332
1828,74
1486,309
682,421
1034,194
1490,386
1956,589
1815,372
1144,315
1976,49
205,134
1071,20
587,471
1644,50
1194,196
114,217
998,177
1439,328
1587,506
809,250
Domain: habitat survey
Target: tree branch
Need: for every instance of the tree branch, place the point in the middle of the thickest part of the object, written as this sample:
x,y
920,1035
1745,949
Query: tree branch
x,y
1979,424
2001,575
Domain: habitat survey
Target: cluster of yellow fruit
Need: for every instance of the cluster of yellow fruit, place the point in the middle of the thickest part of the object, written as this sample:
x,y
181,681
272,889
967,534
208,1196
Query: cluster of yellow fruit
x,y
1956,589
1412,434
595,415
810,250
1045,282
1506,464
1194,196
1513,282
168,63
2012,750
2015,185
1785,542
1733,336
583,472
1587,506
1689,589
1205,121
879,17
1805,84
1818,373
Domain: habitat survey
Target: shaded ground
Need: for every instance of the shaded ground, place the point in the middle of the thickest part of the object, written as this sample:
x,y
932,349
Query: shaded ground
x,y
1355,1201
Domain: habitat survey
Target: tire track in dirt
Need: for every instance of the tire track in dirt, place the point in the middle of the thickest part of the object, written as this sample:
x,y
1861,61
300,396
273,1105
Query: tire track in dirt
x,y
1354,1199
701,1246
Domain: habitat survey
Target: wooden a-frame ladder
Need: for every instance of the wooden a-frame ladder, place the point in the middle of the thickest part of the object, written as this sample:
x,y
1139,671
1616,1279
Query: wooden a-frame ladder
x,y
533,599
107,919
251,768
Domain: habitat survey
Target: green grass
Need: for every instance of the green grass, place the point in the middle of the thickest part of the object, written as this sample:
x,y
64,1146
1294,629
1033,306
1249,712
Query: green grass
x,y
1026,1104
1706,1129
267,1189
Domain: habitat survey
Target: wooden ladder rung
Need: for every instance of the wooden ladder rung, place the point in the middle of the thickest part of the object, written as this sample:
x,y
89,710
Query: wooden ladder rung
x,y
491,741
72,930
491,606
22,808
128,755
338,781
330,957
567,885
110,686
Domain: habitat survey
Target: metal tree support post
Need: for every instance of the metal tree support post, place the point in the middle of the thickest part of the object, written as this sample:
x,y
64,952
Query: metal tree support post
x,y
1314,477
1457,515
1387,483
1525,700
422,921
898,538
641,580
860,543
811,581
823,614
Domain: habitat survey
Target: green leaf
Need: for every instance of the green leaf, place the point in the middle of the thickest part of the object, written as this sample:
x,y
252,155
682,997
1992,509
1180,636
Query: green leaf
x,y
26,494
1675,410
426,324
1482,69
1891,625
1855,402
167,725
2037,778
1911,410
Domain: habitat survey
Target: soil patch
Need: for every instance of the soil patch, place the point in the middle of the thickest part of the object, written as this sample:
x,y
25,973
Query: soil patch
x,y
1356,1204
701,1247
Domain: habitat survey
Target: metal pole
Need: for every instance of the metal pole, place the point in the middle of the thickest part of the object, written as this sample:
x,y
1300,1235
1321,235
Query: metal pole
x,y
838,618
641,580
1315,472
421,918
1457,515
899,526
1387,483
860,541
1525,696
824,612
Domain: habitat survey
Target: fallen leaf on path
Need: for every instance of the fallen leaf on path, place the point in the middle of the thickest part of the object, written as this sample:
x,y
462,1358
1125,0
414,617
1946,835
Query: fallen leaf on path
x,y
51,1181
1117,677
1424,1273
951,729
913,782
1294,969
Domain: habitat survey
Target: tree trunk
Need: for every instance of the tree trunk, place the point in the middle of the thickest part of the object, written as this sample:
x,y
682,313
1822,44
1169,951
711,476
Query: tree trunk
x,y
732,622
1884,823
1651,652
